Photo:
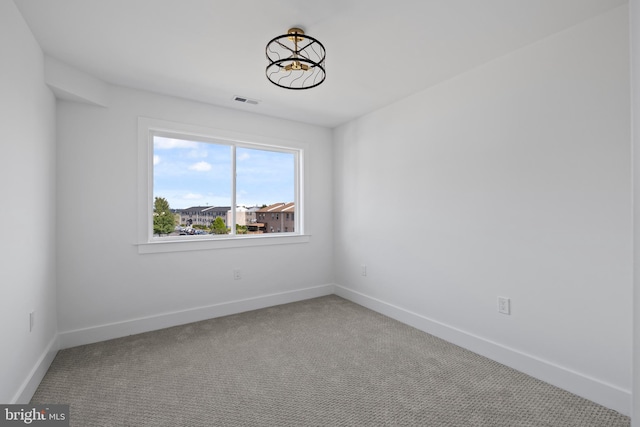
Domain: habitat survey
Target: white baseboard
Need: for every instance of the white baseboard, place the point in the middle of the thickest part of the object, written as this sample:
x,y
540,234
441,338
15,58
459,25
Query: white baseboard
x,y
167,320
29,386
595,390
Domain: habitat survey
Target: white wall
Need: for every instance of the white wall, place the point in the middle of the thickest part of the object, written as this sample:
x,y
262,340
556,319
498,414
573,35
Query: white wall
x,y
27,215
103,280
634,14
513,180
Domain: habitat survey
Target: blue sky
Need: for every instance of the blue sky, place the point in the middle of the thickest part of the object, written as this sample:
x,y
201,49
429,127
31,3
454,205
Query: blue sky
x,y
191,173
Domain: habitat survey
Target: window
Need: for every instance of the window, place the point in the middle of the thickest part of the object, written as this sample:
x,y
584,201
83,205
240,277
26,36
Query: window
x,y
191,177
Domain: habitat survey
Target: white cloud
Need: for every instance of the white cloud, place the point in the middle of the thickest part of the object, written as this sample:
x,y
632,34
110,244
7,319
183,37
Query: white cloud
x,y
156,159
192,196
200,167
161,143
243,156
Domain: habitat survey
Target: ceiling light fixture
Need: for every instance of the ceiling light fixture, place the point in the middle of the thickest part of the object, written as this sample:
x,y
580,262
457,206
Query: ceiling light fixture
x,y
296,61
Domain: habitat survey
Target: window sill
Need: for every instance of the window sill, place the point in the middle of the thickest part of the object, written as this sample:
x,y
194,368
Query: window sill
x,y
195,244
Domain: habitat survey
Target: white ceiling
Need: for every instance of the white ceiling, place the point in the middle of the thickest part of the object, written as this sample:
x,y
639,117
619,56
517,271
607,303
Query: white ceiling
x,y
210,50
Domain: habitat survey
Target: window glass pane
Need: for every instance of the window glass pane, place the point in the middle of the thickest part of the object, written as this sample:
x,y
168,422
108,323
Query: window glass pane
x,y
195,179
265,191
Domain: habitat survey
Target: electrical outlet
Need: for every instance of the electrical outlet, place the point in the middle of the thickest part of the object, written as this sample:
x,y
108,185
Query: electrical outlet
x,y
32,320
504,305
237,275
363,270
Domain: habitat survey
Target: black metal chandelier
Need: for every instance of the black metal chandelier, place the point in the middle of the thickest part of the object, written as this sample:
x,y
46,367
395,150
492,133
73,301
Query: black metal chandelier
x,y
296,61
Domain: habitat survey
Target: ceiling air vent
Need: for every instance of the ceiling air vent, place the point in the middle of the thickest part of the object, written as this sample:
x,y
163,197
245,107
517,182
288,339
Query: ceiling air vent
x,y
246,100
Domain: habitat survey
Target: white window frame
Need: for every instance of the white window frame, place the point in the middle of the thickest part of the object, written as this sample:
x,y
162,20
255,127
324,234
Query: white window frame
x,y
148,243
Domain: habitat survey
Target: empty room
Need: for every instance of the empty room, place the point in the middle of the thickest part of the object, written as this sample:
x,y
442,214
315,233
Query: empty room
x,y
333,213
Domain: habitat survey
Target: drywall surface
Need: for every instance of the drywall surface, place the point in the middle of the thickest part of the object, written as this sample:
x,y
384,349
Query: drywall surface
x,y
634,16
512,180
103,280
27,178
